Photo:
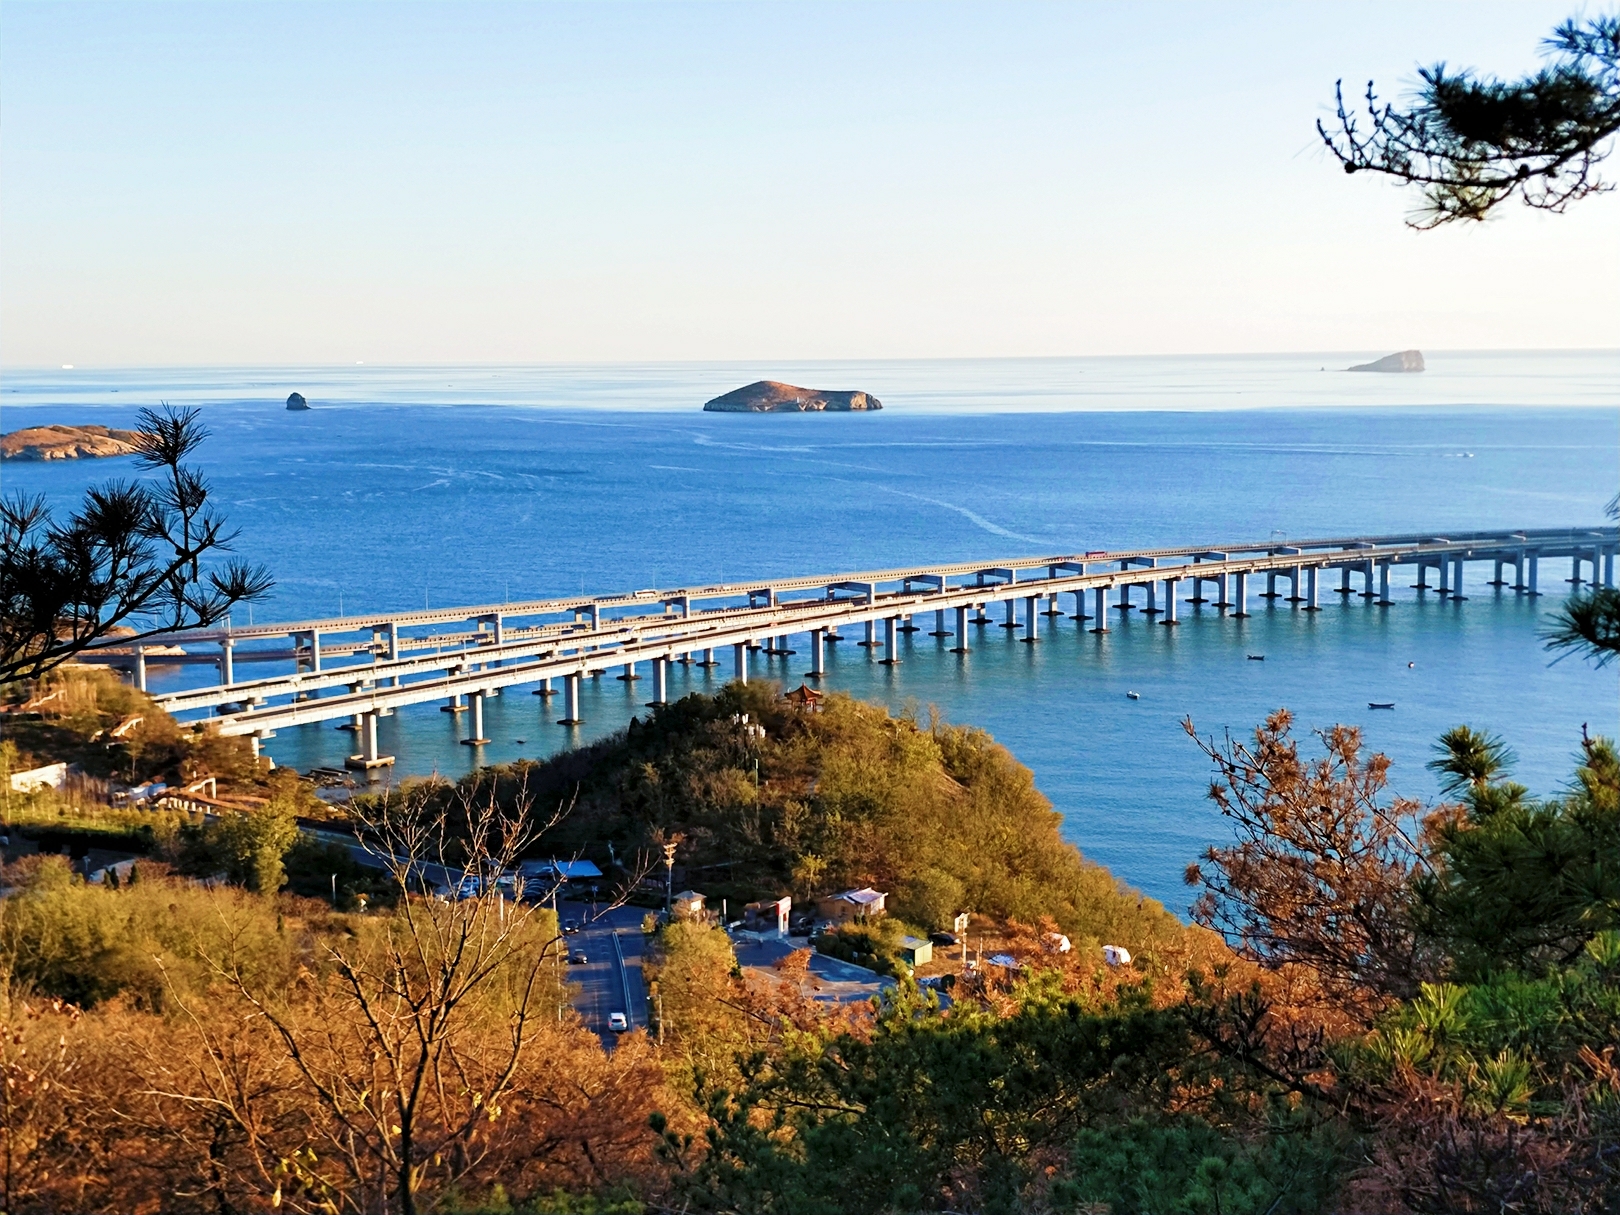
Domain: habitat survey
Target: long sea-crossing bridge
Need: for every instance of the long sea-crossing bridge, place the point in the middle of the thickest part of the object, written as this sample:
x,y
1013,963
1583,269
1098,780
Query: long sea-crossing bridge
x,y
360,668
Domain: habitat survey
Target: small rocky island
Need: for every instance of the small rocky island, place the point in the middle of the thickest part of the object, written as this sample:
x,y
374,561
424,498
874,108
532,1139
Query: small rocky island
x,y
770,396
1406,360
296,401
67,443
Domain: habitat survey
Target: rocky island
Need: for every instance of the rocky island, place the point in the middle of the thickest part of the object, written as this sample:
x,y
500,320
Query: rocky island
x,y
1406,360
770,396
296,402
67,443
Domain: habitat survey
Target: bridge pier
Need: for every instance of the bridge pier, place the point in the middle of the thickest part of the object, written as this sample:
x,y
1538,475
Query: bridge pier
x,y
939,624
1012,614
1423,573
739,662
455,705
354,722
140,667
1383,585
1271,585
1241,601
1445,577
1574,570
708,659
570,715
1608,567
1457,595
1225,601
1052,608
1367,580
961,646
818,651
476,737
782,645
545,690
1170,620
1080,606
1152,608
660,668
1124,604
891,641
1535,565
905,625
367,757
1032,620
227,665
1310,589
871,642
1293,586
629,675
1344,580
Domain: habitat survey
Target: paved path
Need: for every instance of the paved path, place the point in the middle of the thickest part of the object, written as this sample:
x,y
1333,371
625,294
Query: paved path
x,y
601,983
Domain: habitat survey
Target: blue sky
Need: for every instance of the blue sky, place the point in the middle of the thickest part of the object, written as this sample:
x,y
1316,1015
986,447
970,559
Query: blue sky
x,y
328,183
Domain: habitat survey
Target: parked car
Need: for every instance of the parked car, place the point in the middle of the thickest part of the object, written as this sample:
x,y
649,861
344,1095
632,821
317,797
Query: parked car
x,y
571,926
618,1023
578,957
946,939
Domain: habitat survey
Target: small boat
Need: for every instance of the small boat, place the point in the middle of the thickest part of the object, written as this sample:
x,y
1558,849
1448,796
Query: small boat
x,y
1257,657
1379,704
1134,695
520,741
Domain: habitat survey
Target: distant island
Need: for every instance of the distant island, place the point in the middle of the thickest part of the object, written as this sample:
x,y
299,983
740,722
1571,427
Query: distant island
x,y
67,443
770,396
1406,360
296,401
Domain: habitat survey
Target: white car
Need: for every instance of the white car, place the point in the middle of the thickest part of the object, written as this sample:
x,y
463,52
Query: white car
x,y
618,1023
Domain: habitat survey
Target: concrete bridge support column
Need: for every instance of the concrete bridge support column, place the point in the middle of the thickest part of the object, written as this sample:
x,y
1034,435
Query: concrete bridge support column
x,y
1271,585
1124,604
1496,578
354,718
1443,568
1198,590
629,675
891,641
1535,564
1608,567
1052,608
1152,608
871,642
1240,597
314,651
545,690
782,645
476,737
818,653
140,667
1518,572
454,705
1100,611
570,715
939,624
1224,601
739,662
393,639
1079,606
1575,569
227,664
708,659
1367,581
961,646
660,681
1293,586
1344,580
1457,595
1310,588
368,740
1383,584
1170,620
905,625
1032,620
1012,615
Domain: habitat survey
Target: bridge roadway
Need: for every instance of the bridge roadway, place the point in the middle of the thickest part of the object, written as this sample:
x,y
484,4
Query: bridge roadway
x,y
620,630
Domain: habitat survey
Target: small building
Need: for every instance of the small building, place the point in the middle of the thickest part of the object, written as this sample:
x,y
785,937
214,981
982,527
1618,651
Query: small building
x,y
688,904
559,871
768,915
862,904
915,952
805,697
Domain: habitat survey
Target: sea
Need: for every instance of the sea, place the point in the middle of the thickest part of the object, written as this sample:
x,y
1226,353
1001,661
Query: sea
x,y
410,486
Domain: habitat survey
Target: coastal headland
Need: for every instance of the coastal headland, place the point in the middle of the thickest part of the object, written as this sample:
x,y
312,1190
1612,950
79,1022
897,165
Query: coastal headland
x,y
67,443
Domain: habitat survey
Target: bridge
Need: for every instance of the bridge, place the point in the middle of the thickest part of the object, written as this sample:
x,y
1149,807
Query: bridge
x,y
365,667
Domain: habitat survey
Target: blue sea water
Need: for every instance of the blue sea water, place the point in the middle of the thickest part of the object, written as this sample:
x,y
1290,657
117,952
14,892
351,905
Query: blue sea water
x,y
466,485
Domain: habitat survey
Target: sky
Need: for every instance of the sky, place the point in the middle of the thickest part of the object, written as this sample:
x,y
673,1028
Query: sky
x,y
325,184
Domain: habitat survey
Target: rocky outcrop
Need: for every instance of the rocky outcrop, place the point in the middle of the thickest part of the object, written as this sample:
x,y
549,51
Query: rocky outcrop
x,y
296,401
67,443
769,396
1406,360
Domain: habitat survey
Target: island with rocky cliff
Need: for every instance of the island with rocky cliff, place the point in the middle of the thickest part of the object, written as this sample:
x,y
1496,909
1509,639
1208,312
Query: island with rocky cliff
x,y
1405,360
67,443
770,396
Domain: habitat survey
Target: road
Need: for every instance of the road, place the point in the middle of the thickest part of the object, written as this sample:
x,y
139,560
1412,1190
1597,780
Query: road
x,y
601,983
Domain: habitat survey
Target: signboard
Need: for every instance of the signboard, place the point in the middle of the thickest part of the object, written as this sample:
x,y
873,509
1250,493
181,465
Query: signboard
x,y
960,923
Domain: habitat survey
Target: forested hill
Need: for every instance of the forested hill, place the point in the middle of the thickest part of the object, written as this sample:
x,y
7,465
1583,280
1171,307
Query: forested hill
x,y
771,798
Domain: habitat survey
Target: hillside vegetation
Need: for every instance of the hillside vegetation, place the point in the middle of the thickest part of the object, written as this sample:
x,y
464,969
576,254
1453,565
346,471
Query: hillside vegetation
x,y
768,798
